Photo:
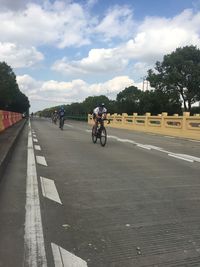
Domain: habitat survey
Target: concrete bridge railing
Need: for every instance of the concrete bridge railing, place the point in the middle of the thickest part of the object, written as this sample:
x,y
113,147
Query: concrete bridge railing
x,y
185,126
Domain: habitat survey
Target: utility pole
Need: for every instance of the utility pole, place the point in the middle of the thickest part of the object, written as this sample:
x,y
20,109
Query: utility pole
x,y
147,85
143,79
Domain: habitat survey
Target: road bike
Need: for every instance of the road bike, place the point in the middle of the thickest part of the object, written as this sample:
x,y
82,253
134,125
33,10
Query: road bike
x,y
61,123
54,119
100,132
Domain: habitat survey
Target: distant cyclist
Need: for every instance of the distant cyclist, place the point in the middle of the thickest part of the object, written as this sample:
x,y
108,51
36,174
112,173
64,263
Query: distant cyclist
x,y
61,115
55,116
99,113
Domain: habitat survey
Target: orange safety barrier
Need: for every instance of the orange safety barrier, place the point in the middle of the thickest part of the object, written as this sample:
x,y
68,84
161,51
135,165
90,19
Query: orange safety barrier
x,y
1,121
8,118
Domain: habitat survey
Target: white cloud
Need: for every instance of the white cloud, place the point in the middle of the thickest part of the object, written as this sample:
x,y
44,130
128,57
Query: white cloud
x,y
91,3
159,36
155,37
19,56
14,5
28,85
60,24
98,61
68,92
118,22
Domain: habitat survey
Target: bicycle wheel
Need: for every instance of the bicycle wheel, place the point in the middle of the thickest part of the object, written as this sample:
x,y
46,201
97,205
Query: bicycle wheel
x,y
103,136
94,136
61,123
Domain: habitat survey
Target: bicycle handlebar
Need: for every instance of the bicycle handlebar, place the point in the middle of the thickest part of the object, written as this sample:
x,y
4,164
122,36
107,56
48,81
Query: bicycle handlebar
x,y
102,119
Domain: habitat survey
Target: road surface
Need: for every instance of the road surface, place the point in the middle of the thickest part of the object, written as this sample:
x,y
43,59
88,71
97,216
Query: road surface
x,y
65,201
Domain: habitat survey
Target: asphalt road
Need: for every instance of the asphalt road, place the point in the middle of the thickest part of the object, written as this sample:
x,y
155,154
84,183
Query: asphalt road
x,y
134,202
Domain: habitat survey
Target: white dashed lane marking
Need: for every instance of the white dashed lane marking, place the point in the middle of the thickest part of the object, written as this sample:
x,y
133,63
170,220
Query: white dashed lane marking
x,y
35,140
64,258
34,249
37,147
49,189
41,160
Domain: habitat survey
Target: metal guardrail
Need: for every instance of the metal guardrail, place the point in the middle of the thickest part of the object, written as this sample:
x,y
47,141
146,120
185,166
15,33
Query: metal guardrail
x,y
78,118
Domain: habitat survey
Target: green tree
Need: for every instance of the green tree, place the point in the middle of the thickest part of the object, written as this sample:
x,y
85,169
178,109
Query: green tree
x,y
156,102
128,100
179,73
93,101
11,98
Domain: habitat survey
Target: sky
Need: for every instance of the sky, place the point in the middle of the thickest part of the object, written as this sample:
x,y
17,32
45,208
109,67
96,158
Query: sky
x,y
64,51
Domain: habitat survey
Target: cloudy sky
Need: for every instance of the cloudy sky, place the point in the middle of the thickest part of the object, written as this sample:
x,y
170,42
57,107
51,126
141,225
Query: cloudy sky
x,y
63,51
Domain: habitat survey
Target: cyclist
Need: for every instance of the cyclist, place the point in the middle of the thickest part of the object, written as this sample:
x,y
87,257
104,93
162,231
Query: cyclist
x,y
55,116
61,114
99,113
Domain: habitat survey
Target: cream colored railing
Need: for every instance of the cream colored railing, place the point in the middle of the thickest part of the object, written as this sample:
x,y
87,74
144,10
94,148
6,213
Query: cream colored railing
x,y
183,126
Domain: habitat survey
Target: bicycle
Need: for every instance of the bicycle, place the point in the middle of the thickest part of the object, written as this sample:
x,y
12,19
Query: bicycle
x,y
55,119
100,132
61,123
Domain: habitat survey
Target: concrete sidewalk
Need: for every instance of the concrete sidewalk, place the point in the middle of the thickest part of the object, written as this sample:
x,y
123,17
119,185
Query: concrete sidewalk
x,y
8,140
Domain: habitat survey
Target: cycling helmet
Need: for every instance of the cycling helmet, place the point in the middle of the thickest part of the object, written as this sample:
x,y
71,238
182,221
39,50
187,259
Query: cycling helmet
x,y
102,105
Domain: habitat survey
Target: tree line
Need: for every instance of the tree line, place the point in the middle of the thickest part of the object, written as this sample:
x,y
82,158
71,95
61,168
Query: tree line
x,y
11,98
176,87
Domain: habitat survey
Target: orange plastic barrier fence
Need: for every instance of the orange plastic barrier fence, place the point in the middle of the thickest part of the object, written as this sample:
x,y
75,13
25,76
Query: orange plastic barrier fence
x,y
8,118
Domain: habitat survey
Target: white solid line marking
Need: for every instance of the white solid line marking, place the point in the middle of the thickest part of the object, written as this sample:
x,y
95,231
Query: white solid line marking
x,y
49,189
69,125
196,141
34,249
149,147
37,147
122,140
41,160
63,258
189,157
144,146
35,140
179,157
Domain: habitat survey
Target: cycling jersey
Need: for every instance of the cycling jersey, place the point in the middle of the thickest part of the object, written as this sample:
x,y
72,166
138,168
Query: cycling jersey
x,y
61,113
98,111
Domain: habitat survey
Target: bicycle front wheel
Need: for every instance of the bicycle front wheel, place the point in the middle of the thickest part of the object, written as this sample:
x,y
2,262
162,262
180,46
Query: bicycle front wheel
x,y
103,136
94,136
61,123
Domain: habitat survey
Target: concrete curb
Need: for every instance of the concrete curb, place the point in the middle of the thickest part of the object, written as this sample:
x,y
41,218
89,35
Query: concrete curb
x,y
4,159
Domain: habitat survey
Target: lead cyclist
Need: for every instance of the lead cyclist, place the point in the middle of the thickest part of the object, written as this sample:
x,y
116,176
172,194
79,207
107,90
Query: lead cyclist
x,y
99,114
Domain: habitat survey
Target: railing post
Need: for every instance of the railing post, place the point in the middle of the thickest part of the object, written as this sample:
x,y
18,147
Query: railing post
x,y
148,114
164,114
123,118
185,115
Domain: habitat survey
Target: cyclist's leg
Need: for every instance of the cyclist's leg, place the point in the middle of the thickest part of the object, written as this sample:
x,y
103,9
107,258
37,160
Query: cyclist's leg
x,y
95,124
